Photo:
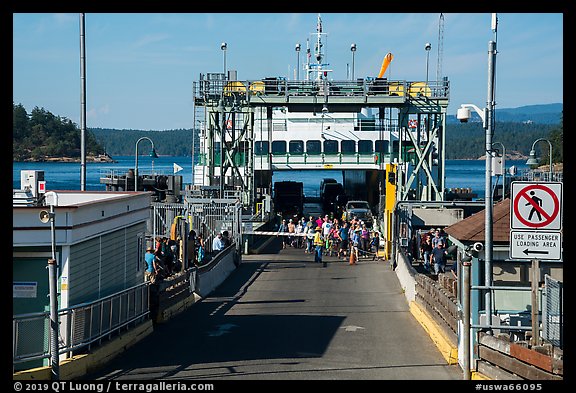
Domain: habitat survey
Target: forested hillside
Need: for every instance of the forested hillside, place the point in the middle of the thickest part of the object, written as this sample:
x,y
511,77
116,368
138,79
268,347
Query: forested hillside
x,y
467,140
463,140
41,135
123,142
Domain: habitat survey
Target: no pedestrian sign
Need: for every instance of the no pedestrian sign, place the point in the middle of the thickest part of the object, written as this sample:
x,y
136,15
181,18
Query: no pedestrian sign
x,y
536,206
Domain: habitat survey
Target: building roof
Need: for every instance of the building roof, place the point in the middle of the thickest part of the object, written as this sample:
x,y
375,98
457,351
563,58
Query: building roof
x,y
472,229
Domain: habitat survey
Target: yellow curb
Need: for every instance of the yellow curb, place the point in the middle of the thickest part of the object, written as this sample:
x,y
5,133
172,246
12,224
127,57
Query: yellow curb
x,y
447,350
476,375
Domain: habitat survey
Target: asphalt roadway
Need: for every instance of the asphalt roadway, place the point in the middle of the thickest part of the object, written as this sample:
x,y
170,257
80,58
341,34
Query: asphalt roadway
x,y
280,316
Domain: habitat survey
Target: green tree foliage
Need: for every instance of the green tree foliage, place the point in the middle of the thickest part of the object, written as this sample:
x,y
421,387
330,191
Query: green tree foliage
x,y
41,135
463,140
468,140
169,142
557,139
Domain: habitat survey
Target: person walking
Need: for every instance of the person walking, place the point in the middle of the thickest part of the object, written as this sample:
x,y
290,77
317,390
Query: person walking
x,y
355,245
319,243
283,228
151,267
426,250
343,249
217,243
438,257
309,231
191,248
375,244
291,231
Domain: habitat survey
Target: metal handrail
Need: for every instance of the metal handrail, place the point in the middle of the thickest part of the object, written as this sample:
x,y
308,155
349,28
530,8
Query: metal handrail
x,y
213,88
80,325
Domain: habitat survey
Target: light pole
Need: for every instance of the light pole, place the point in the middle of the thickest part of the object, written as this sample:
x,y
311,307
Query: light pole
x,y
487,117
534,161
353,50
297,49
82,105
151,154
53,281
427,47
224,46
503,167
194,146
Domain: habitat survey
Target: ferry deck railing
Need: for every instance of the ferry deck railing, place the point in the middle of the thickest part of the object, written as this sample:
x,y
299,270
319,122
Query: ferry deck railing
x,y
213,86
80,326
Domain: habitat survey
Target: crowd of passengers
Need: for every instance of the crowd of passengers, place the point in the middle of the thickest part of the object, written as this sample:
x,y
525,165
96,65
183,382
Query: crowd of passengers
x,y
339,237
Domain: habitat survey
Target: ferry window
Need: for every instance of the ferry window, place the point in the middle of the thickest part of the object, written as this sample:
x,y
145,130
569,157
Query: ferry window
x,y
261,148
365,147
330,147
279,147
313,147
395,147
348,147
381,146
365,125
296,147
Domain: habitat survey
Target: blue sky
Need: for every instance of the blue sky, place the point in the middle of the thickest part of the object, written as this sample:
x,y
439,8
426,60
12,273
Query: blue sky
x,y
140,67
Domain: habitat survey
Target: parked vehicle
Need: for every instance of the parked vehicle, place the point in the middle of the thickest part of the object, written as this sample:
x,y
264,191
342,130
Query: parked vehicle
x,y
332,197
360,209
289,198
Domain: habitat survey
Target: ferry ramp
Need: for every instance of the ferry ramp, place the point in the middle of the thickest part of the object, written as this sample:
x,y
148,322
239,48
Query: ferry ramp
x,y
281,316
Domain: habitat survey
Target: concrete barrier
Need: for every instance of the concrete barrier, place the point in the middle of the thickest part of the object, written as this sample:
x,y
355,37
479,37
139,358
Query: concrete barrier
x,y
210,276
406,275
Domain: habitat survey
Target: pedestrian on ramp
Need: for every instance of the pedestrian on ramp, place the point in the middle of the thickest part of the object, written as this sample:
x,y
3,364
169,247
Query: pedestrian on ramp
x,y
319,243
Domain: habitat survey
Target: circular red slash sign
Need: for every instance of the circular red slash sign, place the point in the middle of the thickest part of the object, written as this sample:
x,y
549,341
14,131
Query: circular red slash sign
x,y
548,218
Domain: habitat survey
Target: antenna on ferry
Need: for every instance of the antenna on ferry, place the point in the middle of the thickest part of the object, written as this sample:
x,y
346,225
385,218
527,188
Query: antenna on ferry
x,y
307,59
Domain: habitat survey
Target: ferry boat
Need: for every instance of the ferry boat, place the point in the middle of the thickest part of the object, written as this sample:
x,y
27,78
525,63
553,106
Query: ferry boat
x,y
250,129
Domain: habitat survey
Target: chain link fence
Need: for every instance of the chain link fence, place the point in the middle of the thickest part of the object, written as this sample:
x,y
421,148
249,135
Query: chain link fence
x,y
552,312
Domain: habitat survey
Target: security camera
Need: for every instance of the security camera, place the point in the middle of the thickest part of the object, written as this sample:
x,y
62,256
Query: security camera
x,y
223,46
428,46
478,246
463,115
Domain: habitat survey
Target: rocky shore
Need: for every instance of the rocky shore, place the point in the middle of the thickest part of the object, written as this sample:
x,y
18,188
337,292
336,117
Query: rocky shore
x,y
89,158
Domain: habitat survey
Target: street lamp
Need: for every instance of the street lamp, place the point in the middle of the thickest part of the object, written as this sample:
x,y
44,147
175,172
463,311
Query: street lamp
x,y
224,46
534,161
487,116
53,281
151,154
353,50
297,49
428,46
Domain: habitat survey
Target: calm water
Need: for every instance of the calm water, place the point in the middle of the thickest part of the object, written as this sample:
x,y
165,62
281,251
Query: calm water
x,y
66,176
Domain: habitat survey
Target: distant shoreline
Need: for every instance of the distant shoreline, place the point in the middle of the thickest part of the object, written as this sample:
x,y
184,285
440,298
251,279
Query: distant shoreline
x,y
89,158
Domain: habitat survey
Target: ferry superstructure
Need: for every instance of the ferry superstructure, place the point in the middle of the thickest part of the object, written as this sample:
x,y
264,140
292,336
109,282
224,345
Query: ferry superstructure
x,y
363,127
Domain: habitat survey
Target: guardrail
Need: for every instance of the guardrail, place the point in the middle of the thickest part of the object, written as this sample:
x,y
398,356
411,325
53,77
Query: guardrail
x,y
80,326
216,85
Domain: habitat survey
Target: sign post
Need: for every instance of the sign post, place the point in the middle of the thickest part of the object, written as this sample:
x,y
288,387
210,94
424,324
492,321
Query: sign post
x,y
535,232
